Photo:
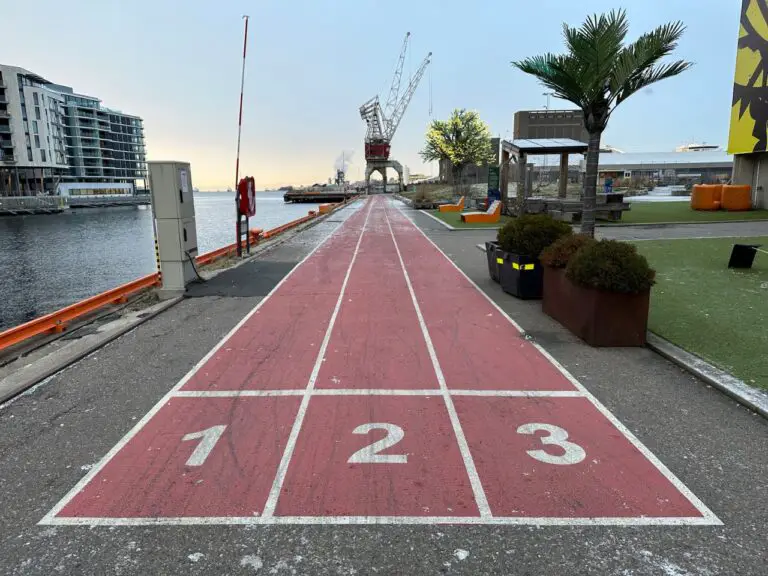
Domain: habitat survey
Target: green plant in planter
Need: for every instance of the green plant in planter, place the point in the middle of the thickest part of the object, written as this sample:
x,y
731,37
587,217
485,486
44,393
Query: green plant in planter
x,y
528,235
611,266
559,253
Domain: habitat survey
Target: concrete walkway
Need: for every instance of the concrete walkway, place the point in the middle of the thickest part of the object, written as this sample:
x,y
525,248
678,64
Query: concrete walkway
x,y
375,385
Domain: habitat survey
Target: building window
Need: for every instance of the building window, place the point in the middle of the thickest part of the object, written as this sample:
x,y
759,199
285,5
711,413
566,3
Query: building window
x,y
42,155
34,127
37,112
34,95
29,154
37,141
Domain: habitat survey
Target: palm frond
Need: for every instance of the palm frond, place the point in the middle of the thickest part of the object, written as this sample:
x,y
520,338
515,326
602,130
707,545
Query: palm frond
x,y
561,74
637,65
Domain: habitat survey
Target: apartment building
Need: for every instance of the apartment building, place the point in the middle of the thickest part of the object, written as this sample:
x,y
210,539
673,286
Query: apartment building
x,y
51,135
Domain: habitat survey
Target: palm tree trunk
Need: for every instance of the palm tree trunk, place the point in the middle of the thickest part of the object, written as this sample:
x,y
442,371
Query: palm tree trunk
x,y
590,185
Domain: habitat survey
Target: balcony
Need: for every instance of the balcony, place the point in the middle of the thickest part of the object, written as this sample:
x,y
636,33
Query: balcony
x,y
4,114
6,143
6,130
7,159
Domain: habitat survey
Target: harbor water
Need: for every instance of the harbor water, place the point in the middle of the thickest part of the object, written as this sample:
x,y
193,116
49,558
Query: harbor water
x,y
50,261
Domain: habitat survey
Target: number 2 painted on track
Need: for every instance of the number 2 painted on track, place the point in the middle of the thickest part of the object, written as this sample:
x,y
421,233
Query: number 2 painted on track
x,y
209,439
573,453
370,454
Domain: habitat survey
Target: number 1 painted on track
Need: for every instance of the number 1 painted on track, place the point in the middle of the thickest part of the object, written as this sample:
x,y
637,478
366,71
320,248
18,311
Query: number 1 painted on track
x,y
210,437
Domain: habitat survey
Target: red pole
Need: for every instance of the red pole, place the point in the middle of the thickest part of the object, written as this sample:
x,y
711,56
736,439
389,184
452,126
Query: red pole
x,y
239,130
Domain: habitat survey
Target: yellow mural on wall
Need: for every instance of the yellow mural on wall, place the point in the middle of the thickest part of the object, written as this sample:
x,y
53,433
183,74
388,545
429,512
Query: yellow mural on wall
x,y
749,112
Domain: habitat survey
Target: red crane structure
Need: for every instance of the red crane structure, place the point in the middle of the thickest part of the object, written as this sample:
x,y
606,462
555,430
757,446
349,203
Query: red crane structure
x,y
382,123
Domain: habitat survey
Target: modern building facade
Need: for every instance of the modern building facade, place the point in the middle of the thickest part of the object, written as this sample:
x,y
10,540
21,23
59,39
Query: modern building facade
x,y
537,124
50,135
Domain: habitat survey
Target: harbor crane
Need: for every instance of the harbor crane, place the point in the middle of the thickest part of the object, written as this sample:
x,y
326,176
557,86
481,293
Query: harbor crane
x,y
382,123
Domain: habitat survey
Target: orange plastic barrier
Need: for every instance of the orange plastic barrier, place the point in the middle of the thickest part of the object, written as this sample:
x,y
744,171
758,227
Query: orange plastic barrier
x,y
458,207
326,208
737,197
57,321
706,196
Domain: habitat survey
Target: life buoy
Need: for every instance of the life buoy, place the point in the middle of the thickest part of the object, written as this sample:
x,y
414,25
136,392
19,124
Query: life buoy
x,y
246,191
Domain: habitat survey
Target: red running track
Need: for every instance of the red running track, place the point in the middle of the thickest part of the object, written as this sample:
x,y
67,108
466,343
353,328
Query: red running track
x,y
377,384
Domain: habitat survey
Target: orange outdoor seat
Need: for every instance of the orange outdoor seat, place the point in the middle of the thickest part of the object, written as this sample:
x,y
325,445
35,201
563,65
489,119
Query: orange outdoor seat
x,y
490,216
458,207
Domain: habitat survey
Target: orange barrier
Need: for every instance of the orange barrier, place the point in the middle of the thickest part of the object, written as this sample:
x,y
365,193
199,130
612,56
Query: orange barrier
x,y
57,321
706,196
737,198
458,207
326,208
228,250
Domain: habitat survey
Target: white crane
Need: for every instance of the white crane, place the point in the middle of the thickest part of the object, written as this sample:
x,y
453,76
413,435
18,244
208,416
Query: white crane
x,y
382,123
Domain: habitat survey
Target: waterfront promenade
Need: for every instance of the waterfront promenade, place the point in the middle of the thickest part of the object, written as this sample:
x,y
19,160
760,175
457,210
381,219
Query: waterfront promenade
x,y
360,400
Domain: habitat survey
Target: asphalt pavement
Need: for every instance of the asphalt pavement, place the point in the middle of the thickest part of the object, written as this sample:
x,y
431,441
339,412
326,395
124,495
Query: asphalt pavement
x,y
54,433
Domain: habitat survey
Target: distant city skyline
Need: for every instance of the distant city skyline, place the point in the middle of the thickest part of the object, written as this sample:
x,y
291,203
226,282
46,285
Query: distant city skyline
x,y
312,64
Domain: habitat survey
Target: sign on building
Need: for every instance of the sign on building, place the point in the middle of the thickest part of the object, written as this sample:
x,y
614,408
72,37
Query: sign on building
x,y
749,111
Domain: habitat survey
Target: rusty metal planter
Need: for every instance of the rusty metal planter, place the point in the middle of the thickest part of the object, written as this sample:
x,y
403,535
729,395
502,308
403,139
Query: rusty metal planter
x,y
600,318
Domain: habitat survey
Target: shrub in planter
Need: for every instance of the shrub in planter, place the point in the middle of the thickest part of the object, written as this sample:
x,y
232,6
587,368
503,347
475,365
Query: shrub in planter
x,y
554,259
606,294
520,243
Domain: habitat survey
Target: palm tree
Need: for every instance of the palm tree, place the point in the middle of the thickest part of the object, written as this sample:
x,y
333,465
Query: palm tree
x,y
598,72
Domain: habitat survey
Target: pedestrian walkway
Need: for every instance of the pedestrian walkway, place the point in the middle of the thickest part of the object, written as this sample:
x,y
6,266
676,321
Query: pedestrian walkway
x,y
376,384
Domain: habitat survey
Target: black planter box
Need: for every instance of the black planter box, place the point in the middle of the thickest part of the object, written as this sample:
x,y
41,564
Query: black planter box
x,y
521,276
493,254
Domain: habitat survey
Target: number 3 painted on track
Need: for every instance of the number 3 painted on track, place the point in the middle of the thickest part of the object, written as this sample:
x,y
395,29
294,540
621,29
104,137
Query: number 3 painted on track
x,y
370,454
557,437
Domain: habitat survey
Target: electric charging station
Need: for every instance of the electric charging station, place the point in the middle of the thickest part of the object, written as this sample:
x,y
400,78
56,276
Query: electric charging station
x,y
175,229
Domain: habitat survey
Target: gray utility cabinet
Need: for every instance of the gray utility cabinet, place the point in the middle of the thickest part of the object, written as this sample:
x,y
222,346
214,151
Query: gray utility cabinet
x,y
175,229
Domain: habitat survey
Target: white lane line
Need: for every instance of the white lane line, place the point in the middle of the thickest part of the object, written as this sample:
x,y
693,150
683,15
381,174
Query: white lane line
x,y
290,446
469,464
235,393
519,393
377,392
707,514
384,520
48,518
436,219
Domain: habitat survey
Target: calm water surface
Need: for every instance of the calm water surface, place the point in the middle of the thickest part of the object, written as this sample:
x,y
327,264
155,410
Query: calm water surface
x,y
47,262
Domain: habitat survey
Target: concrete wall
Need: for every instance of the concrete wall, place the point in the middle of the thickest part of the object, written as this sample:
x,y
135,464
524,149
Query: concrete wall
x,y
752,169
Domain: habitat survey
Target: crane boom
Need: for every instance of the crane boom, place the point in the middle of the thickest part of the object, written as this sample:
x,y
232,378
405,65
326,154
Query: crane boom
x,y
397,113
394,91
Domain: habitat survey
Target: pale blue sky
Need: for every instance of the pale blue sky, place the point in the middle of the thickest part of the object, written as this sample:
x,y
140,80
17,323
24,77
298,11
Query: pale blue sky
x,y
312,63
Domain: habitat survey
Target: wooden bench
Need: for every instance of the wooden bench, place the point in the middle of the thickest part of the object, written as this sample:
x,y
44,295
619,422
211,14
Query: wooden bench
x,y
490,216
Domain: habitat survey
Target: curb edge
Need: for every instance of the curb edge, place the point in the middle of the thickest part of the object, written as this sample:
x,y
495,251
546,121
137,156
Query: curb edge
x,y
744,394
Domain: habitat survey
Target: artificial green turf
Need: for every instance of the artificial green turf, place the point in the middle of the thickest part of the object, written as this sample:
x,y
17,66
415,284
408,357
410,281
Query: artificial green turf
x,y
718,314
656,212
454,219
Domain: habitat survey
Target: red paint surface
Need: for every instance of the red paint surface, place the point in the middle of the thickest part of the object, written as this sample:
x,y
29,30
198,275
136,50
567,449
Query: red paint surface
x,y
278,346
614,480
376,341
320,481
478,348
149,476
